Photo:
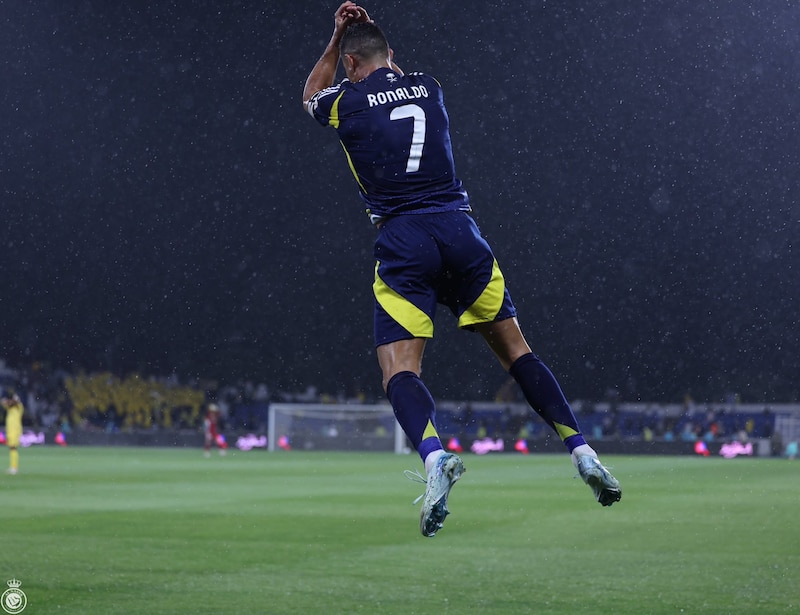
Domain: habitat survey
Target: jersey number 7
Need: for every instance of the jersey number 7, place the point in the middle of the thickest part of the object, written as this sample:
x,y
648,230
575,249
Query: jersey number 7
x,y
418,136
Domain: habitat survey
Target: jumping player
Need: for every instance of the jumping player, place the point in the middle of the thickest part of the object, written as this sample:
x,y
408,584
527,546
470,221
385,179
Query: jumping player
x,y
395,133
14,409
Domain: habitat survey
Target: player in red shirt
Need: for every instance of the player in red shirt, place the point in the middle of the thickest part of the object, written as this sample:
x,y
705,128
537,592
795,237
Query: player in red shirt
x,y
211,430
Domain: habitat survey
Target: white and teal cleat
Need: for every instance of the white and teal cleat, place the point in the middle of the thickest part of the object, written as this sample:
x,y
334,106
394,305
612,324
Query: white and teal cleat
x,y
605,487
442,477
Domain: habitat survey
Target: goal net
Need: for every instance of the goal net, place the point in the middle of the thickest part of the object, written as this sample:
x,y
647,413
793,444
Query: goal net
x,y
788,427
335,427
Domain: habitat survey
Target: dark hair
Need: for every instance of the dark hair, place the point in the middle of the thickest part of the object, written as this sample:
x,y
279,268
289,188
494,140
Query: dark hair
x,y
364,40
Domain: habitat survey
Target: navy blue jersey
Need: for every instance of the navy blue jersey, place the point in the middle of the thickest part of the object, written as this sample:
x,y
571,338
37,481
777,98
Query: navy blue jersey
x,y
396,134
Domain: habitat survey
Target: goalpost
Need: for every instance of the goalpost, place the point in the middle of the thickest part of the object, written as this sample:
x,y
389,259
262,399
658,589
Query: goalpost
x,y
332,427
789,428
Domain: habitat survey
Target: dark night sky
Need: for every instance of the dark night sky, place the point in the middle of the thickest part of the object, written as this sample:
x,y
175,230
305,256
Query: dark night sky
x,y
168,206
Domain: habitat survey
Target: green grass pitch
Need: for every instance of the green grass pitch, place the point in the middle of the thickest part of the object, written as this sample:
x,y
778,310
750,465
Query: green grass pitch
x,y
166,531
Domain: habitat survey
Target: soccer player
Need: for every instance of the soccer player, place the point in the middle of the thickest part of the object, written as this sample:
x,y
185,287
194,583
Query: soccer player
x,y
211,431
14,409
395,133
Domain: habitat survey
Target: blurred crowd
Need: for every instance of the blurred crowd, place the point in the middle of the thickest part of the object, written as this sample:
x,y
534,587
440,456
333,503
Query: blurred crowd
x,y
669,422
57,399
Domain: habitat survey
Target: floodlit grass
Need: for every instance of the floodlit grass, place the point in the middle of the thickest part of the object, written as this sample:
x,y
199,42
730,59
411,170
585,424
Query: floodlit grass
x,y
134,530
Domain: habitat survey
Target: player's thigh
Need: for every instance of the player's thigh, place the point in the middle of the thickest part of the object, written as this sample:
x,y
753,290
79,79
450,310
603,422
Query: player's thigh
x,y
474,287
407,267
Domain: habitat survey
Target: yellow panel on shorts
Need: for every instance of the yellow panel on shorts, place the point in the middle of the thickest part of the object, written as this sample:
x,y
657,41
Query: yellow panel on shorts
x,y
487,306
408,315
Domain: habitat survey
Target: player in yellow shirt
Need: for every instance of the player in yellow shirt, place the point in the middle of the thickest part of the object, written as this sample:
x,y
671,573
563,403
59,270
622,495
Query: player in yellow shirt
x,y
14,410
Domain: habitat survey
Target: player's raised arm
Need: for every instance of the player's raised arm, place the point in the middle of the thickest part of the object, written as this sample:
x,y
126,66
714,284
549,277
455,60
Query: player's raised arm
x,y
324,71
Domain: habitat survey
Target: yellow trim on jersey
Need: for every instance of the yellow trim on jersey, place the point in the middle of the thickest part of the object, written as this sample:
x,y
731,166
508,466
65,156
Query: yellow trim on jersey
x,y
563,431
333,120
486,306
408,315
353,169
430,431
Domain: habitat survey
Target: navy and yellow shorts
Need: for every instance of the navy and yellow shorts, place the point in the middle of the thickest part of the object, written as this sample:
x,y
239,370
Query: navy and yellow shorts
x,y
427,259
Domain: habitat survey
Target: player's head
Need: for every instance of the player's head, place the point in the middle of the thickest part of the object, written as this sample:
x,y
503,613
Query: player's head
x,y
363,44
213,408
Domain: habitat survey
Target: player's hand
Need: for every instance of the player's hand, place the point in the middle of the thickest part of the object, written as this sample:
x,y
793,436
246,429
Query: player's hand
x,y
362,15
345,15
348,13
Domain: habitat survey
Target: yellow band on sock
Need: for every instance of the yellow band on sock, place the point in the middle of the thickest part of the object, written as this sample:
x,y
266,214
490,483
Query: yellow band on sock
x,y
564,431
430,431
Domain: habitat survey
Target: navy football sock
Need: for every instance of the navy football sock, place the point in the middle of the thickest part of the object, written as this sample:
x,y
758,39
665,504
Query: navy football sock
x,y
415,411
544,395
